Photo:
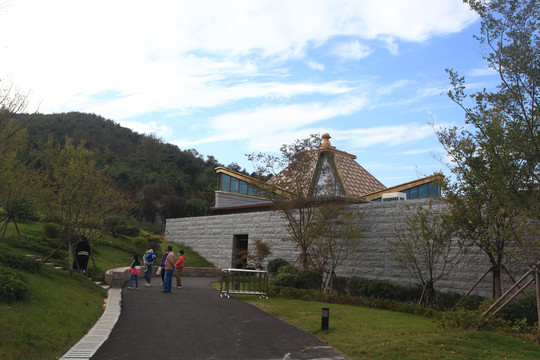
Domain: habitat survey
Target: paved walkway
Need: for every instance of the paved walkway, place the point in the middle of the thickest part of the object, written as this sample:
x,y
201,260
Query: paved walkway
x,y
195,323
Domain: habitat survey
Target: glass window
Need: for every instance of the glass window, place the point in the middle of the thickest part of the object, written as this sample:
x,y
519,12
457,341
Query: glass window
x,y
252,190
406,192
423,191
433,190
413,192
243,187
234,185
225,182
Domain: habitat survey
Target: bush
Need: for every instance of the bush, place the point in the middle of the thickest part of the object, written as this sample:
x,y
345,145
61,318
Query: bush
x,y
51,231
521,310
444,301
471,302
308,279
471,320
151,228
287,280
274,265
43,246
20,262
123,226
140,244
12,284
287,269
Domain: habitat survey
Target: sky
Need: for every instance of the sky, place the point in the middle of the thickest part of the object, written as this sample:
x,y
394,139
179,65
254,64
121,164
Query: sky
x,y
230,78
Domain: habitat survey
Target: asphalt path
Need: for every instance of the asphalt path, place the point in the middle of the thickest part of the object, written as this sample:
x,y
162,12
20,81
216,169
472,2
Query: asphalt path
x,y
195,323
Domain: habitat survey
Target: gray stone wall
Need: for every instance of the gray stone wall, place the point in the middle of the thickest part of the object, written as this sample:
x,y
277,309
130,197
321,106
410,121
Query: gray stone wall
x,y
213,238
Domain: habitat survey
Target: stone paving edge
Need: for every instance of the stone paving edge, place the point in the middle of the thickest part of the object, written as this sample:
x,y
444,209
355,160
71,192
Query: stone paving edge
x,y
99,333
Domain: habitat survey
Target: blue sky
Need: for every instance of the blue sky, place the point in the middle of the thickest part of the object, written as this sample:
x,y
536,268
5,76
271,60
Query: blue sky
x,y
229,78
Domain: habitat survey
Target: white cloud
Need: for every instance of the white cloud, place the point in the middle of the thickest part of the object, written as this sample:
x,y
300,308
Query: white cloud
x,y
351,50
152,127
261,127
315,65
391,135
170,54
486,71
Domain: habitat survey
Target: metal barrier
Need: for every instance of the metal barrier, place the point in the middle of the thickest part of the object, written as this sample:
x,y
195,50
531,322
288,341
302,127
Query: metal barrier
x,y
240,281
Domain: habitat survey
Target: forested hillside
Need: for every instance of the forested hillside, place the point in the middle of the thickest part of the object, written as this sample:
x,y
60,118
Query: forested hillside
x,y
162,179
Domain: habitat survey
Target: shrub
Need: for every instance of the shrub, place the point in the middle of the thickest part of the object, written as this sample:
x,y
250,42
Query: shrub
x,y
287,280
43,246
471,302
274,265
140,244
123,226
51,231
521,310
444,301
12,284
472,320
20,262
287,269
308,279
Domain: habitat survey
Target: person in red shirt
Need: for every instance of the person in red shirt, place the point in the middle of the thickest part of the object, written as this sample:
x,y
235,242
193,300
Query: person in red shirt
x,y
179,268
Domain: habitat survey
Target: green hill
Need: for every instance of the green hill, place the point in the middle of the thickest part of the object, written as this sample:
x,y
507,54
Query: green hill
x,y
166,180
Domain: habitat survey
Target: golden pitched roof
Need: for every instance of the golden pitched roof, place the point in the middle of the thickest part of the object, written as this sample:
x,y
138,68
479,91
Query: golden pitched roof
x,y
351,178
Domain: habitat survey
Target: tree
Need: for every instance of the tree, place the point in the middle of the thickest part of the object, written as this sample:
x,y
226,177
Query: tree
x,y
17,190
495,159
76,193
12,102
253,258
340,234
292,192
425,246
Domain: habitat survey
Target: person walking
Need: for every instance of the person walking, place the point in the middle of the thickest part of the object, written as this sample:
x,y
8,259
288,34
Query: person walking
x,y
179,268
135,269
149,260
82,254
170,262
162,266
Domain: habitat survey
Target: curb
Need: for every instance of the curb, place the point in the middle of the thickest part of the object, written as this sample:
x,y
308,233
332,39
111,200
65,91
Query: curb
x,y
100,332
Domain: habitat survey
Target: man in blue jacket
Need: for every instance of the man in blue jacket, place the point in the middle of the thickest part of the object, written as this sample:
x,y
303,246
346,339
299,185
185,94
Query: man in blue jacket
x,y
149,260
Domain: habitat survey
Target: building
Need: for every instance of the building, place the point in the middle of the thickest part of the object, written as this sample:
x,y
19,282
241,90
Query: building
x,y
328,167
242,214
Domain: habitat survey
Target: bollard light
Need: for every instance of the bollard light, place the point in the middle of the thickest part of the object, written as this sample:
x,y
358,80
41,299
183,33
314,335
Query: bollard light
x,y
325,317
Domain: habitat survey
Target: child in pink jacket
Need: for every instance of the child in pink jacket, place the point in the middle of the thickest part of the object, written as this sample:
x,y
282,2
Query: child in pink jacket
x,y
135,269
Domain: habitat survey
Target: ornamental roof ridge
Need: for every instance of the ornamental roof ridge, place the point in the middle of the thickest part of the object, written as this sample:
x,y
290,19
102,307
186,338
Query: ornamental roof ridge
x,y
327,146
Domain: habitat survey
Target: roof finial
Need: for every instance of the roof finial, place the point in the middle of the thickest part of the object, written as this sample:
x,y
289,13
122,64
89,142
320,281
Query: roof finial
x,y
326,141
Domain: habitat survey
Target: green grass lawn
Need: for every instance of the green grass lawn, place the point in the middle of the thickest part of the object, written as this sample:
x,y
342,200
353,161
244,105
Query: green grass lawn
x,y
60,309
365,333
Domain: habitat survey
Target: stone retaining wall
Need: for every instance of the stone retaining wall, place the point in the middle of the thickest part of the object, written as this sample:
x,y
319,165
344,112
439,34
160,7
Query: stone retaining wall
x,y
213,238
119,276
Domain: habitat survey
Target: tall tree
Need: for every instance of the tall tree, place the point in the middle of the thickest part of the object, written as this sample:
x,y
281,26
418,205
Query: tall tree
x,y
292,191
495,159
76,193
340,234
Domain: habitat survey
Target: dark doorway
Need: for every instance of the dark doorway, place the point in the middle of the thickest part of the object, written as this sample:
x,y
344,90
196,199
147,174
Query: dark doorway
x,y
240,248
